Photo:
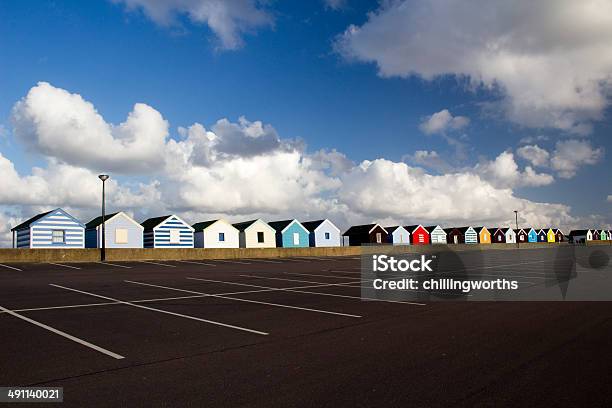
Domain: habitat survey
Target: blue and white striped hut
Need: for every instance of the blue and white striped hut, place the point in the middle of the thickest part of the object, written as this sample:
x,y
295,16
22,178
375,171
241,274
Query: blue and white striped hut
x,y
168,231
52,229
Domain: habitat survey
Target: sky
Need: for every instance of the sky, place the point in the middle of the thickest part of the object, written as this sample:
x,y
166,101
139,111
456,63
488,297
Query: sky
x,y
399,112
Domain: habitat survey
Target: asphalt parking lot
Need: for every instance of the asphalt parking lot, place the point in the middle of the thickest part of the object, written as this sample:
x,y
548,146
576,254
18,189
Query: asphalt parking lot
x,y
291,332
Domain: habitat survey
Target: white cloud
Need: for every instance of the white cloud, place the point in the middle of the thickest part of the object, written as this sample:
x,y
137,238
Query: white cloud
x,y
550,60
504,172
443,121
569,155
534,154
428,159
228,19
610,198
335,4
60,124
382,188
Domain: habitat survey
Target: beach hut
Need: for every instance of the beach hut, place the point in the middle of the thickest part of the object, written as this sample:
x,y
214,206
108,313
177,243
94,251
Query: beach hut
x,y
550,235
168,231
398,235
470,236
580,236
521,235
51,229
418,234
120,231
454,236
510,235
532,235
436,234
215,234
322,233
256,234
596,235
290,234
484,235
497,236
559,237
366,234
542,236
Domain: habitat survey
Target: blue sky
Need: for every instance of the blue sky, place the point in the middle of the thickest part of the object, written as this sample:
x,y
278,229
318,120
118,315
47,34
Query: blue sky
x,y
295,74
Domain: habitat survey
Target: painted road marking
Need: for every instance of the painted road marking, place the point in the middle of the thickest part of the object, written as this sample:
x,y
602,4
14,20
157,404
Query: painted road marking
x,y
163,311
65,266
112,264
246,300
11,267
318,293
235,262
197,263
264,260
63,334
157,263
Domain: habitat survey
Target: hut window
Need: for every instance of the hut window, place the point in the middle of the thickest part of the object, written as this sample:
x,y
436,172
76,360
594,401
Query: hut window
x,y
175,236
260,237
378,237
296,238
327,235
121,236
222,236
58,236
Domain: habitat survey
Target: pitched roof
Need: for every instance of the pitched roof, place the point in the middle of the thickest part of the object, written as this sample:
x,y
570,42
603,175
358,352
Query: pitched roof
x,y
201,226
464,229
241,226
27,223
279,226
451,229
578,232
411,228
430,228
359,229
392,229
154,222
98,220
313,225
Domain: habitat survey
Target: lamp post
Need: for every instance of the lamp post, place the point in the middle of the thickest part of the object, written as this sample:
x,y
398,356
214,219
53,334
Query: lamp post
x,y
103,177
516,219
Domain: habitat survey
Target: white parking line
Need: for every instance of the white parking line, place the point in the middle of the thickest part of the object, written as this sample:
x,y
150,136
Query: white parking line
x,y
157,263
65,266
197,263
112,264
264,260
236,262
163,311
63,334
246,300
322,293
294,260
318,275
11,267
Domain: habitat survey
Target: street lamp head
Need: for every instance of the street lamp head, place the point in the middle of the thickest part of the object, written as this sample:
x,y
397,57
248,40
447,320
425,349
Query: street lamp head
x,y
103,177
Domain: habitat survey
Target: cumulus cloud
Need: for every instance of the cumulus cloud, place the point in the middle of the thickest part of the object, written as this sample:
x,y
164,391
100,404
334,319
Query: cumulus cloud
x,y
63,125
549,60
335,4
443,121
534,154
382,188
228,19
569,155
504,172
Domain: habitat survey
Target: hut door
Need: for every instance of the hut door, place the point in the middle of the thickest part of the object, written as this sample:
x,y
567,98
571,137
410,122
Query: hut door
x,y
456,239
296,238
378,238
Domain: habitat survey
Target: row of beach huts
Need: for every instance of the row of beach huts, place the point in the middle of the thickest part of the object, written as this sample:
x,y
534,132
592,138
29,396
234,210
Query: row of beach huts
x,y
58,229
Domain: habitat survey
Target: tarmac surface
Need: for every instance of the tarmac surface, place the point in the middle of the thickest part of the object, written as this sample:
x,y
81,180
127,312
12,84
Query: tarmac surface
x,y
292,332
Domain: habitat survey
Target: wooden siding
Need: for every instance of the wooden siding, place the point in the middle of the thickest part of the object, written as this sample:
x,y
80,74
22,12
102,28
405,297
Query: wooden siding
x,y
41,231
159,237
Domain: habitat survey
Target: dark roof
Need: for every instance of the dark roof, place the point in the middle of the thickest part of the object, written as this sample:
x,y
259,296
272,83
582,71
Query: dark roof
x,y
154,222
392,229
359,229
200,226
312,225
241,226
27,223
519,230
449,230
557,230
478,229
578,232
279,226
493,230
98,220
464,229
